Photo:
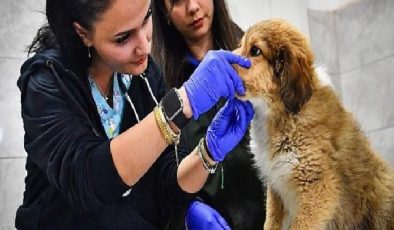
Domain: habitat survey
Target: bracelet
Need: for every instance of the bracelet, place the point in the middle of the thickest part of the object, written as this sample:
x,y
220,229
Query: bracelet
x,y
169,135
202,153
161,122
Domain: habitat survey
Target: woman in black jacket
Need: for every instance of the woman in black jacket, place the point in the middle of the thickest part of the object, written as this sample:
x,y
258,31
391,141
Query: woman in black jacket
x,y
98,157
184,33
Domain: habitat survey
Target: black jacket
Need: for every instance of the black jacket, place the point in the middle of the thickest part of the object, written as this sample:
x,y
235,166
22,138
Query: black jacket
x,y
71,179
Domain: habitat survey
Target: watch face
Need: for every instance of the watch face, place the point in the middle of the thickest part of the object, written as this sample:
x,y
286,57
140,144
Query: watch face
x,y
171,104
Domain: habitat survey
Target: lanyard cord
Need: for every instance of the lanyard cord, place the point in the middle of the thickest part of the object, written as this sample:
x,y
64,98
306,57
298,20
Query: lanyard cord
x,y
143,76
123,88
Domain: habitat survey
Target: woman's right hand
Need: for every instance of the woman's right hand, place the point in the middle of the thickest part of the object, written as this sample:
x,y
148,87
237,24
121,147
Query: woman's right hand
x,y
203,217
228,127
214,78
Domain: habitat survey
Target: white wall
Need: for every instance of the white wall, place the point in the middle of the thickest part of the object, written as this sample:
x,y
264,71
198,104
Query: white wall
x,y
19,21
247,12
355,40
328,5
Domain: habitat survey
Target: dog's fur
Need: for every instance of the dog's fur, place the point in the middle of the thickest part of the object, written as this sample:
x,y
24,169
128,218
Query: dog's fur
x,y
319,168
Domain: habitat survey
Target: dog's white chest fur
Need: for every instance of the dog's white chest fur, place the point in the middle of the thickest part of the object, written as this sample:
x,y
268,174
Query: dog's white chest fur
x,y
275,171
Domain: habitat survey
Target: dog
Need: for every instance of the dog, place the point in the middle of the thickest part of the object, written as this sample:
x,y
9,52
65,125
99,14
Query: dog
x,y
318,166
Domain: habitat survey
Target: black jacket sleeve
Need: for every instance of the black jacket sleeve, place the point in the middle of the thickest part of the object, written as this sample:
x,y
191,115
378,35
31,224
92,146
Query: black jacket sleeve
x,y
64,146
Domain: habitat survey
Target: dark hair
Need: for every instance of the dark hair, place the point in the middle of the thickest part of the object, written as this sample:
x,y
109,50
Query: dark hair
x,y
169,47
60,33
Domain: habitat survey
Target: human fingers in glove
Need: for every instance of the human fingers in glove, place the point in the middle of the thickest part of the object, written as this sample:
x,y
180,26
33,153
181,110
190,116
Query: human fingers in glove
x,y
228,128
213,79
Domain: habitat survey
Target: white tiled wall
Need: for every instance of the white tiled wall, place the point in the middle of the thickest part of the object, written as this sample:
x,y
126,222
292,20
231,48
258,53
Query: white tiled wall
x,y
19,20
12,174
364,33
356,42
247,12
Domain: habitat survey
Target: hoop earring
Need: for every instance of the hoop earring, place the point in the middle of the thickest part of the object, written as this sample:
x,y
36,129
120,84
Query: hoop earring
x,y
89,55
169,22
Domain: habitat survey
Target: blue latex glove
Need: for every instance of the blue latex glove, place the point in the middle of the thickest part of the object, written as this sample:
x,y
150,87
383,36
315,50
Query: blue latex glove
x,y
200,216
228,127
214,78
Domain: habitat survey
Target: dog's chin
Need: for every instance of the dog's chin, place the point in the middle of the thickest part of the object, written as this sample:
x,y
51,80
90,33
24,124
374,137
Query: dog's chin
x,y
249,95
242,97
255,100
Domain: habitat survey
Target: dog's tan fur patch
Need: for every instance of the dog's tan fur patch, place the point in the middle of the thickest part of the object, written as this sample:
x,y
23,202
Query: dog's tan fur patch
x,y
319,168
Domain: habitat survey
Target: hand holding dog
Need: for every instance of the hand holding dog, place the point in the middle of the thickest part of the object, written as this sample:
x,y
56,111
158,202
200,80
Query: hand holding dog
x,y
228,127
214,78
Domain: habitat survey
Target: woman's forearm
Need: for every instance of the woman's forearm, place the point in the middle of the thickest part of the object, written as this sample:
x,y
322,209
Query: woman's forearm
x,y
191,173
135,150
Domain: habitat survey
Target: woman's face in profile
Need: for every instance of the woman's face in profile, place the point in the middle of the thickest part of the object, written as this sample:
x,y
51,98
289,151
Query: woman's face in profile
x,y
192,18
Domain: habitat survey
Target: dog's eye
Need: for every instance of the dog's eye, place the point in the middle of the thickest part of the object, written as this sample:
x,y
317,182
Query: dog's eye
x,y
254,52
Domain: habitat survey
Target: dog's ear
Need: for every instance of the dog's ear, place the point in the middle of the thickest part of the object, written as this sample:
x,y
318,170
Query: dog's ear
x,y
293,72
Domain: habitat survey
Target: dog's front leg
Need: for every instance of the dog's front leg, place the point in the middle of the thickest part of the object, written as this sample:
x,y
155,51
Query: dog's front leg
x,y
275,210
317,205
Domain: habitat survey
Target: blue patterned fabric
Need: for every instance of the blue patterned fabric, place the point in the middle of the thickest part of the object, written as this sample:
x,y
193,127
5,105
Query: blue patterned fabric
x,y
110,117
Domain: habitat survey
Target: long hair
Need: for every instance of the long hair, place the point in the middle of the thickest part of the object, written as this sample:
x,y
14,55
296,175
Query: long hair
x,y
169,47
59,31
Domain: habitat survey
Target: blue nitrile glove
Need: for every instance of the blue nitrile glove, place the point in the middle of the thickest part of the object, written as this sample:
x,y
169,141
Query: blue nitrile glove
x,y
228,127
214,78
200,216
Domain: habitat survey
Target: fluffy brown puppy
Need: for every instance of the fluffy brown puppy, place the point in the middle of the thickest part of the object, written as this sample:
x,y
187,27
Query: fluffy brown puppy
x,y
319,168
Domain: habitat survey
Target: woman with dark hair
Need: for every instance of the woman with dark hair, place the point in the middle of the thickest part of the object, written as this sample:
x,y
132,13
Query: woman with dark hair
x,y
102,136
185,30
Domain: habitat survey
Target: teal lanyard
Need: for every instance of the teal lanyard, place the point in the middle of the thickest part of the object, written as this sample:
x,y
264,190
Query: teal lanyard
x,y
110,117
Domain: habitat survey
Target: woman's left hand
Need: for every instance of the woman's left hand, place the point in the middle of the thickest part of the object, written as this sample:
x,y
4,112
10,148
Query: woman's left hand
x,y
228,127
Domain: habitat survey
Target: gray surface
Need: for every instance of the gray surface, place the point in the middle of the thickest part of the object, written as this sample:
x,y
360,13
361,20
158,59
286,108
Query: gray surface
x,y
19,21
356,43
365,33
